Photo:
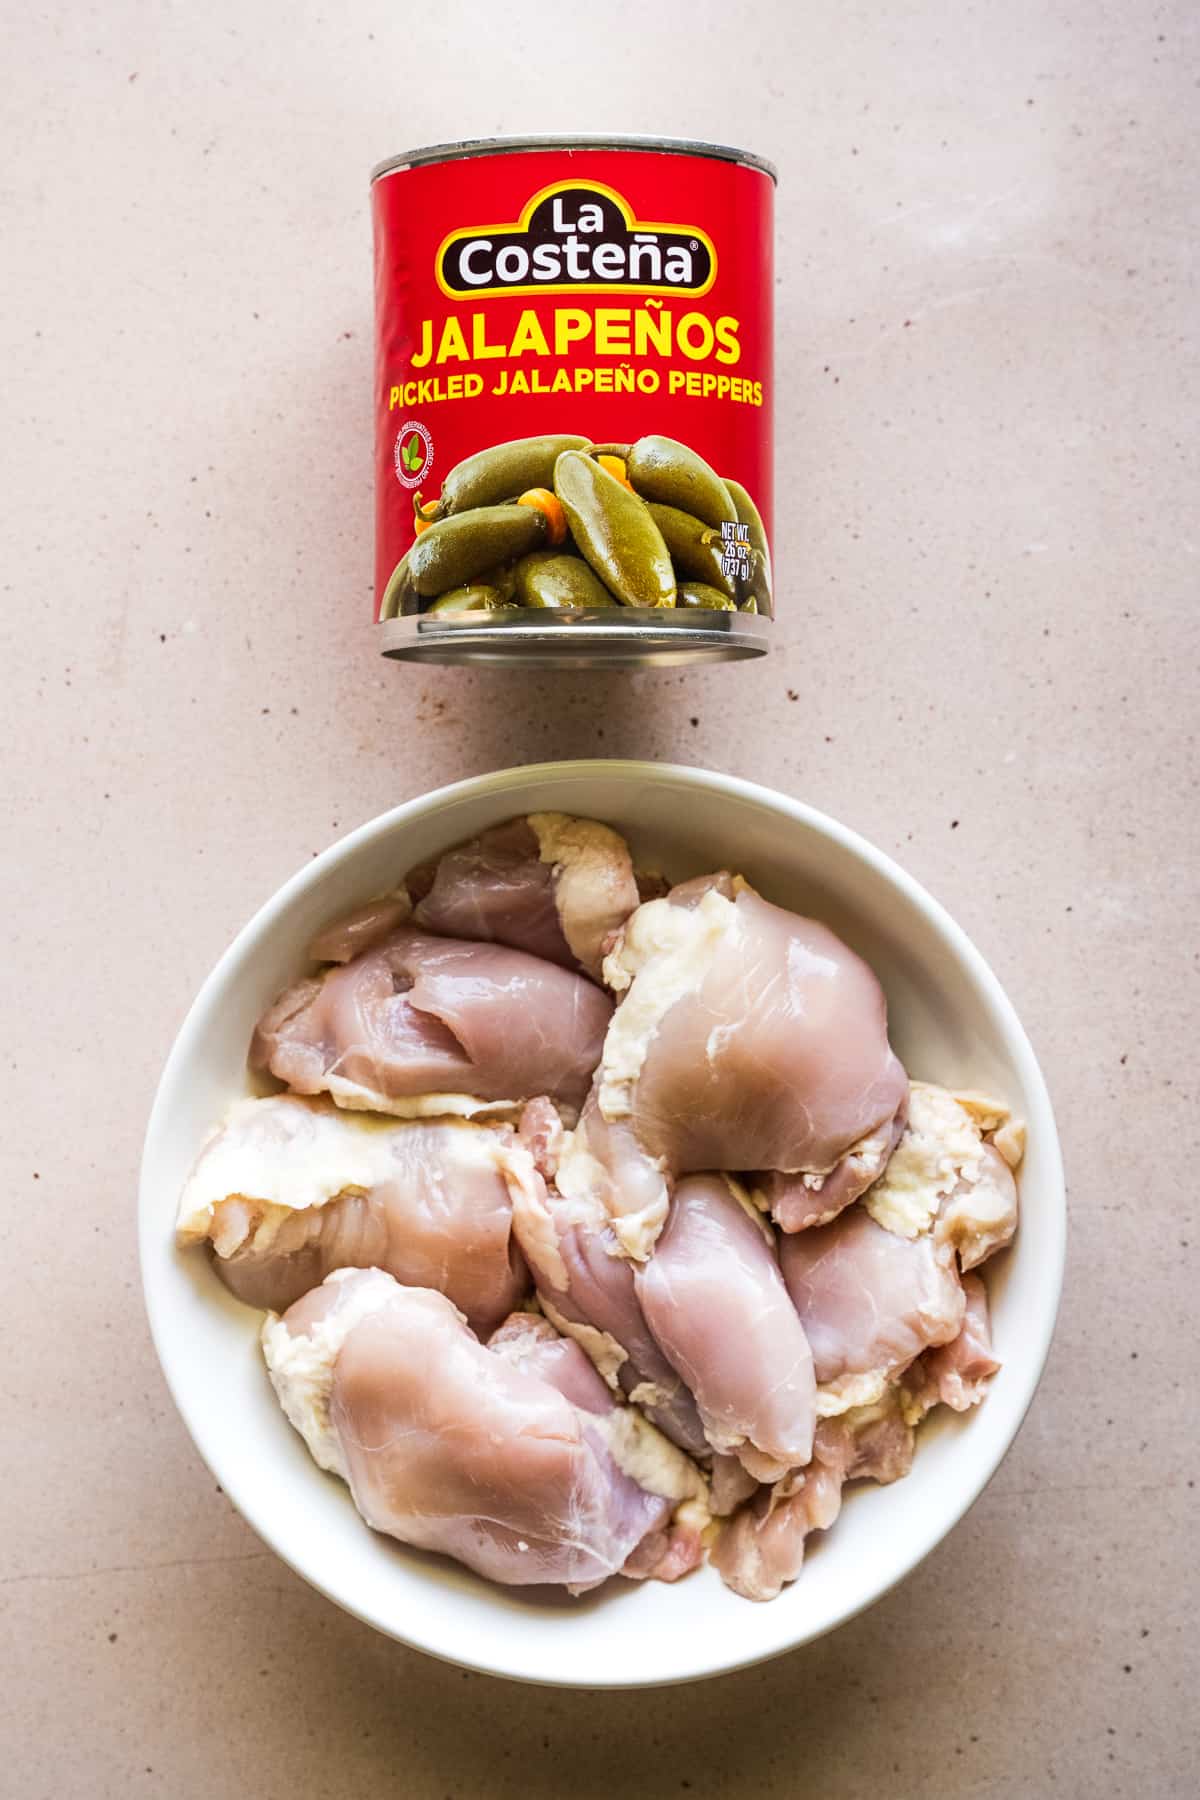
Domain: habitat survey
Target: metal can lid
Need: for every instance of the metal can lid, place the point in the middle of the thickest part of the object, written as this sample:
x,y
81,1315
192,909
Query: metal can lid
x,y
502,146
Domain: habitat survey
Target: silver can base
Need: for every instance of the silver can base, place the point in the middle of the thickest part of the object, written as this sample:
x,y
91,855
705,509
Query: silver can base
x,y
591,639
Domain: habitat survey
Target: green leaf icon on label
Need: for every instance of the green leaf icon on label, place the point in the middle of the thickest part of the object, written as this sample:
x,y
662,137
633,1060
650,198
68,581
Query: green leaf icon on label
x,y
413,453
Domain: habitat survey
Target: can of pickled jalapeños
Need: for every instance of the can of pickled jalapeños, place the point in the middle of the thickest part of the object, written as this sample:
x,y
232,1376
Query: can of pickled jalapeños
x,y
574,402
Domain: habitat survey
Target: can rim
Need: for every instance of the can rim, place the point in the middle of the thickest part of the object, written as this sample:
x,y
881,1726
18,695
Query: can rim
x,y
501,146
580,638
624,620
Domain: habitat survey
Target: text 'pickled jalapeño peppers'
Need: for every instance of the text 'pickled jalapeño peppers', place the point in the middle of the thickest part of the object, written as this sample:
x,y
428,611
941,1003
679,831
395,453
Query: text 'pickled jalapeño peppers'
x,y
574,402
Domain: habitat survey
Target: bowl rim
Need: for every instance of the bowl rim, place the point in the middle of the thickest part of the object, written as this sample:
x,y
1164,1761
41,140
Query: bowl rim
x,y
513,781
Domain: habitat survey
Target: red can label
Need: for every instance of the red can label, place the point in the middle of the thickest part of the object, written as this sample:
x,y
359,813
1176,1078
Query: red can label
x,y
574,382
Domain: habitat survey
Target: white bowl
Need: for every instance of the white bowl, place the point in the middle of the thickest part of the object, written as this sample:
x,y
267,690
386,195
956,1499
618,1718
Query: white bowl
x,y
950,1021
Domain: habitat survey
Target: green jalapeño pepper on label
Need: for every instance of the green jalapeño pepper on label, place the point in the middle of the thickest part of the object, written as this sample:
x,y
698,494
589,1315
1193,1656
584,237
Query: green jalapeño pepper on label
x,y
574,402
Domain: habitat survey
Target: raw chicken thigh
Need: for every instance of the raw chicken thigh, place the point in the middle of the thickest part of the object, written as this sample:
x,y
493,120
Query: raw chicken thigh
x,y
422,1025
703,1335
453,1447
550,884
533,1344
761,1548
747,1037
870,1302
956,1374
713,1296
894,1328
287,1190
587,1288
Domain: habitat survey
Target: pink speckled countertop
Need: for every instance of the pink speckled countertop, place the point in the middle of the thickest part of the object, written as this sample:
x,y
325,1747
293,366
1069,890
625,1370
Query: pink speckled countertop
x,y
986,662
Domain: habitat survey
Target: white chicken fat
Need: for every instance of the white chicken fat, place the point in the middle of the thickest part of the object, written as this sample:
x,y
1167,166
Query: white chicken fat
x,y
941,1146
670,949
301,1367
